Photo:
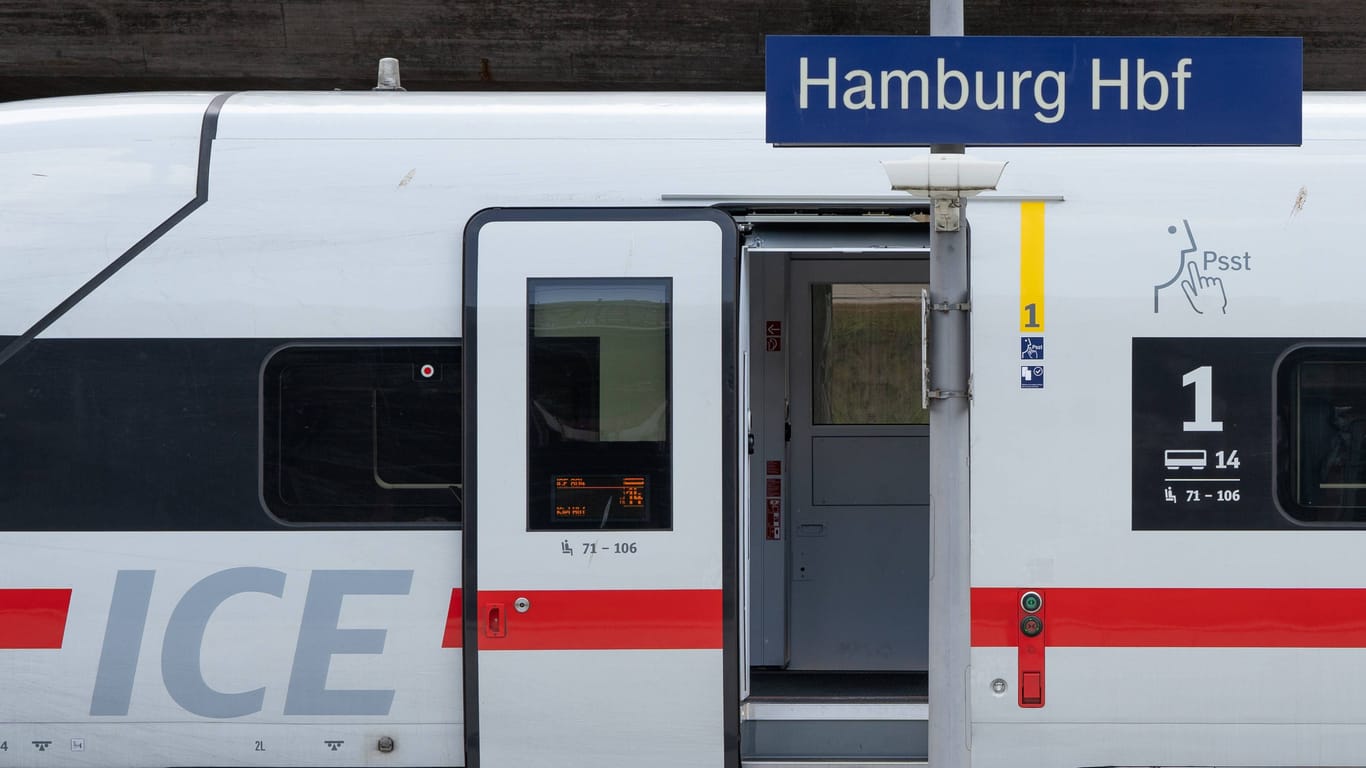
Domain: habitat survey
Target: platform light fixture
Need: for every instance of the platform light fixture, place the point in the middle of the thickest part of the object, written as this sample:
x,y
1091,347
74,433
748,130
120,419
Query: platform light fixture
x,y
945,178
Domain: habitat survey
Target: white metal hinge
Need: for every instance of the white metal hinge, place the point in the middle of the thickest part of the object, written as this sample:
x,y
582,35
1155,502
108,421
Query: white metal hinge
x,y
962,306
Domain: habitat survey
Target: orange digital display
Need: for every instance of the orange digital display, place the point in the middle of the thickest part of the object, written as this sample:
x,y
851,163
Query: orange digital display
x,y
601,497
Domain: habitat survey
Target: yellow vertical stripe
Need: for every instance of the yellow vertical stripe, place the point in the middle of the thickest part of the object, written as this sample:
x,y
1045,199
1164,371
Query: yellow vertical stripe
x,y
1031,267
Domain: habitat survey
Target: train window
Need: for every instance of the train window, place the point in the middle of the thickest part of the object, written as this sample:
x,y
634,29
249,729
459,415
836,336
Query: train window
x,y
366,435
865,354
1322,441
598,411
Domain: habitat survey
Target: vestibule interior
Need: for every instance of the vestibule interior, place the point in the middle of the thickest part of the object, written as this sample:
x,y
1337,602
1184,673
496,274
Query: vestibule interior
x,y
838,466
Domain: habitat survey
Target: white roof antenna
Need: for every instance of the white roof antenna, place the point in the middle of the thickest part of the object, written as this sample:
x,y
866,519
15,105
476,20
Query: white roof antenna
x,y
388,76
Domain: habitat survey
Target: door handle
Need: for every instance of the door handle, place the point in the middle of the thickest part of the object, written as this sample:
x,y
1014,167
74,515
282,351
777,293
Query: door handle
x,y
924,350
493,621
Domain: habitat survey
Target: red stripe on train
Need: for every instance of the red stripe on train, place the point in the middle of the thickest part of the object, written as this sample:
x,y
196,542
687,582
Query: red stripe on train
x,y
454,631
1189,618
33,618
613,619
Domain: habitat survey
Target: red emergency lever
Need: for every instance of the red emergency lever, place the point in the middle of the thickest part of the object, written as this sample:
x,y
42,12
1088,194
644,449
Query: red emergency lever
x,y
493,625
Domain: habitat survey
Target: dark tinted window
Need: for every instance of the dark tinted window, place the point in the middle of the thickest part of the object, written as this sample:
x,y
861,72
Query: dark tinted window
x,y
598,414
1322,441
362,434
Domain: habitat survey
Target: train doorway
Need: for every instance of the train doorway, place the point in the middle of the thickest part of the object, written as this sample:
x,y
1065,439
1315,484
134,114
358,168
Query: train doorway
x,y
838,470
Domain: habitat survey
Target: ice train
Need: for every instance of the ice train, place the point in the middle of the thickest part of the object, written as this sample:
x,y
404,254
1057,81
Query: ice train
x,y
510,430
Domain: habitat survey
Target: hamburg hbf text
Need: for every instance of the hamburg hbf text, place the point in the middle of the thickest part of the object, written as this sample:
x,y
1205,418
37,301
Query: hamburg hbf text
x,y
1121,84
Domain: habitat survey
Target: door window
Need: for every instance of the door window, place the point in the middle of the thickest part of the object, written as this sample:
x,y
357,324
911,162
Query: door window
x,y
598,418
865,353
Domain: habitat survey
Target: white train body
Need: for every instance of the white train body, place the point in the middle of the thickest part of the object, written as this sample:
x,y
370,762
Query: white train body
x,y
177,589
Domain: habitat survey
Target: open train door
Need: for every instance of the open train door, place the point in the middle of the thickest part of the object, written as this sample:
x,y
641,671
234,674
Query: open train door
x,y
600,472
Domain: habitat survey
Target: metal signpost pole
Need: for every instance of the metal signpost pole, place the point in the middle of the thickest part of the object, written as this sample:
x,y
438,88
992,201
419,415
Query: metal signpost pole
x,y
946,17
949,539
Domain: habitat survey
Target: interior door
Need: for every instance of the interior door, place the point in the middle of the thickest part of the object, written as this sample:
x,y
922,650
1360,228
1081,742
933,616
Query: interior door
x,y
600,492
860,467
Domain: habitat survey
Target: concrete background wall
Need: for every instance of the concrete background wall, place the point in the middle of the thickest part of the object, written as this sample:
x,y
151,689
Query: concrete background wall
x,y
86,46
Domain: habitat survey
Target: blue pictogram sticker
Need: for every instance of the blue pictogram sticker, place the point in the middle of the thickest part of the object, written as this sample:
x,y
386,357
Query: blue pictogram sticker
x,y
1031,377
1031,347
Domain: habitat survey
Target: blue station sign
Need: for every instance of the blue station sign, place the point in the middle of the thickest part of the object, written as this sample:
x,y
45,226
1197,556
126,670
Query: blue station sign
x,y
910,91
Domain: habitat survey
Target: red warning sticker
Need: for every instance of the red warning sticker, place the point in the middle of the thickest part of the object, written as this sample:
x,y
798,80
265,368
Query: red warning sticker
x,y
773,335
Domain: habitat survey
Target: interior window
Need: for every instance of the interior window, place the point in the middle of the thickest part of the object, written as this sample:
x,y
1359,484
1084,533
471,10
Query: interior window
x,y
865,354
362,434
1322,438
598,411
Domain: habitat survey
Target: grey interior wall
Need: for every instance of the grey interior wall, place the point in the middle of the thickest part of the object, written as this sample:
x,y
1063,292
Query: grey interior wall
x,y
768,381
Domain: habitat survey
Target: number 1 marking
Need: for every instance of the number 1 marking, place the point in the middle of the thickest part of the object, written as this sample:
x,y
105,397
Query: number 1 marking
x,y
1203,379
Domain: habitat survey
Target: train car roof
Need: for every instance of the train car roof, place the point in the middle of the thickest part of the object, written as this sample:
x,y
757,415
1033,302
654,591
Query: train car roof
x,y
468,115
